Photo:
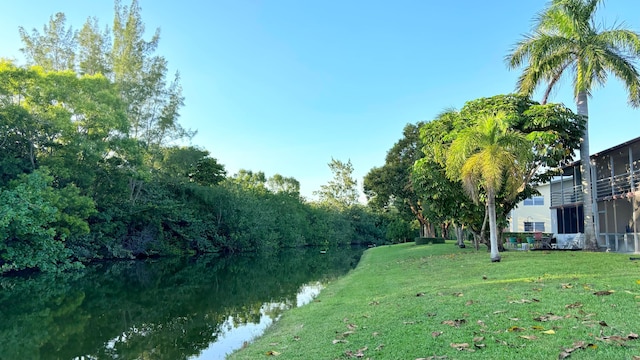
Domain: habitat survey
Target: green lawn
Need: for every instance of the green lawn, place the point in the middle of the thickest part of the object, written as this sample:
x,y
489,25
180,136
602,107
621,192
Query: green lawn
x,y
441,302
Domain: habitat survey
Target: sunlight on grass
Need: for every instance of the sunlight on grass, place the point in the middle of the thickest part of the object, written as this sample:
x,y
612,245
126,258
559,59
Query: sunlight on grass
x,y
410,302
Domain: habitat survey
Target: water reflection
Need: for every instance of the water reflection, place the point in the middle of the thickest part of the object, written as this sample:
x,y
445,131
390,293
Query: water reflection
x,y
198,308
233,338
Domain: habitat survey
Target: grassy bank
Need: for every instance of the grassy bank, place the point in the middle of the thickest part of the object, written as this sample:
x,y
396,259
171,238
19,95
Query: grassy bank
x,y
442,302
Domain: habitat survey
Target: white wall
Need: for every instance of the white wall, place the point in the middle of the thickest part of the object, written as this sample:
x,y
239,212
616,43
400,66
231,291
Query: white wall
x,y
533,213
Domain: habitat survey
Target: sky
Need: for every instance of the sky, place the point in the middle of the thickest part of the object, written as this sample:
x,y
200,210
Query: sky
x,y
284,86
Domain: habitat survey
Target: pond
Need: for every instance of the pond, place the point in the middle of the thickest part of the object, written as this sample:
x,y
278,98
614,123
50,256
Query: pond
x,y
178,308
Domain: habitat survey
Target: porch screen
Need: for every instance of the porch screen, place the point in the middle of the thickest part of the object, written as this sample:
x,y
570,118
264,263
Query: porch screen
x,y
570,220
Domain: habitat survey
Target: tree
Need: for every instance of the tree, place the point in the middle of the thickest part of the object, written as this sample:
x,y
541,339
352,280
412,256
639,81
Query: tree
x,y
488,156
391,186
566,40
279,184
342,191
52,50
553,129
93,49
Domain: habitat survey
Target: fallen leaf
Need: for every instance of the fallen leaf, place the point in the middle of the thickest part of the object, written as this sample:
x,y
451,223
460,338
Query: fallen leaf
x,y
514,319
379,347
549,332
479,346
374,303
339,341
352,326
434,357
602,323
458,294
515,328
499,312
478,339
460,346
455,323
603,293
375,334
537,327
548,317
272,353
521,301
470,302
420,294
574,305
529,337
566,286
296,338
436,333
484,277
409,322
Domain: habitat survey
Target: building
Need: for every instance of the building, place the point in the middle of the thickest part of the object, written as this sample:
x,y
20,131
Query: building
x,y
532,214
616,198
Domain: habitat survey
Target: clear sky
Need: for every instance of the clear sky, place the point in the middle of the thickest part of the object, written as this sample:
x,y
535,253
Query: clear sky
x,y
282,86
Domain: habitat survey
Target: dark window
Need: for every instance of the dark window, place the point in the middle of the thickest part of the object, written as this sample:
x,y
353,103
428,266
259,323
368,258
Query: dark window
x,y
532,226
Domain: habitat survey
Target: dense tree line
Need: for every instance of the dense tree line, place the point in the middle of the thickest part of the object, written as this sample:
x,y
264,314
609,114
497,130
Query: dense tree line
x,y
90,166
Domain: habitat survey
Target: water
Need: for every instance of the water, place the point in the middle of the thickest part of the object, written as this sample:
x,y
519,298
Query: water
x,y
179,308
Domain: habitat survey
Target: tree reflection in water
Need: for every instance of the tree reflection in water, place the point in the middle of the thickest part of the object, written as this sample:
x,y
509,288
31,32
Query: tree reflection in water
x,y
181,308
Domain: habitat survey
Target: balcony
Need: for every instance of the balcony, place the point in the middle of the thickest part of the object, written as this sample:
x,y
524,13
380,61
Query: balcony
x,y
618,185
566,195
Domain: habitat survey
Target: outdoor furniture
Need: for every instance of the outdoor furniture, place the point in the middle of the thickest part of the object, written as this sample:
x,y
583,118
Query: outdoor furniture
x,y
538,239
513,242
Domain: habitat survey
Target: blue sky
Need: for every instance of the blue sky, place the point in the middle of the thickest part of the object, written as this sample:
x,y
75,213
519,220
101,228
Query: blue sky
x,y
282,86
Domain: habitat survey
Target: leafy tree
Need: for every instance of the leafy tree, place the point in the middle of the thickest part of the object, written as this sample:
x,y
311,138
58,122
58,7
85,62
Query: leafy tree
x,y
390,186
566,40
36,219
487,156
554,131
342,191
54,49
208,172
279,184
94,48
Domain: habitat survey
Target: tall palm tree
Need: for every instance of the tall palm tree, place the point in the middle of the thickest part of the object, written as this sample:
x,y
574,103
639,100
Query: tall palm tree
x,y
567,40
489,156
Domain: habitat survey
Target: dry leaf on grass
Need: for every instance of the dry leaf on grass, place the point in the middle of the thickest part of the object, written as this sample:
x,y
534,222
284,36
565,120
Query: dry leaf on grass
x,y
272,353
576,346
339,341
603,292
434,357
529,337
454,323
548,317
460,346
574,305
436,333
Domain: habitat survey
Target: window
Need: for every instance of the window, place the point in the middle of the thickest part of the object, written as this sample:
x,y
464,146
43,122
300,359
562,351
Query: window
x,y
533,226
534,201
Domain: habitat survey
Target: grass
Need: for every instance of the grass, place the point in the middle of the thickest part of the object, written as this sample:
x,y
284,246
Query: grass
x,y
441,302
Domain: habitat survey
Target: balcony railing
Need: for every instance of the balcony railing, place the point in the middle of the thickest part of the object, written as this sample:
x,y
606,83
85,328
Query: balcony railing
x,y
618,185
567,195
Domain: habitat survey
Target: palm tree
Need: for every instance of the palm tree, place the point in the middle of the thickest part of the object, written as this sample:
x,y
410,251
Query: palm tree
x,y
567,40
489,156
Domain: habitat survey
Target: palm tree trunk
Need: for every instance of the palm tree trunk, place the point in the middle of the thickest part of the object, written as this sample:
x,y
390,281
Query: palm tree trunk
x,y
590,242
493,228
